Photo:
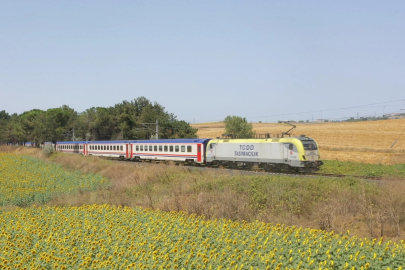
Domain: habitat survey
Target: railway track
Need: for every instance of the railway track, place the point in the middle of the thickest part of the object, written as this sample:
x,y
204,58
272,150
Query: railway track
x,y
262,172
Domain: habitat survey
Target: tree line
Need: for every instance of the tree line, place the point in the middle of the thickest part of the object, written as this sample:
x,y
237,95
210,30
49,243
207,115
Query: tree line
x,y
120,122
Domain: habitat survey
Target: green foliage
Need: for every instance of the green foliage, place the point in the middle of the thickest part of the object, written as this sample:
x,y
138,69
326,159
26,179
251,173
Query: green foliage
x,y
48,150
123,121
238,127
363,169
26,180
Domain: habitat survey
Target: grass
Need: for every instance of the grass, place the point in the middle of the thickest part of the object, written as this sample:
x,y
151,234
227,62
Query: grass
x,y
363,169
371,209
26,180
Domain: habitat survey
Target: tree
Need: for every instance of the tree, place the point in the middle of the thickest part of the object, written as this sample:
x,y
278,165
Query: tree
x,y
238,127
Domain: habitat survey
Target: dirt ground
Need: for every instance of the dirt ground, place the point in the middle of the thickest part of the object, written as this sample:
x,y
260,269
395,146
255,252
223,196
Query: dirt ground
x,y
368,141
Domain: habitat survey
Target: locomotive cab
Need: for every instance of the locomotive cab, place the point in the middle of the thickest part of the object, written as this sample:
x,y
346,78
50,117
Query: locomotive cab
x,y
310,157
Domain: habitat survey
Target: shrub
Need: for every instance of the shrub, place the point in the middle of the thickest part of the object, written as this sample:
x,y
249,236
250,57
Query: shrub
x,y
48,150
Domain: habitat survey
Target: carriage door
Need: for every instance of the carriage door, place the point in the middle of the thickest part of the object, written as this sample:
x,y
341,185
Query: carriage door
x,y
84,149
130,151
199,154
126,150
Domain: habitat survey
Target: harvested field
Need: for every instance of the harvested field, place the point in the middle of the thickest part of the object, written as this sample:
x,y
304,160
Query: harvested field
x,y
367,141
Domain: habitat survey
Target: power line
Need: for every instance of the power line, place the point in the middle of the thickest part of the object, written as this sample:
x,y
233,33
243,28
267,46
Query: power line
x,y
371,105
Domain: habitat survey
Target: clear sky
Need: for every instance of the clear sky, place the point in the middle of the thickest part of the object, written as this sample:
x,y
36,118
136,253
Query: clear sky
x,y
204,60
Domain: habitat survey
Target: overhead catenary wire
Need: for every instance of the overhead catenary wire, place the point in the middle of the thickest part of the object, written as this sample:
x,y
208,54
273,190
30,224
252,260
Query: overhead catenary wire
x,y
371,105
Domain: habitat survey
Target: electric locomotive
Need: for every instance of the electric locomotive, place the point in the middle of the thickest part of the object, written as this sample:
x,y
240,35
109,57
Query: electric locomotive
x,y
278,154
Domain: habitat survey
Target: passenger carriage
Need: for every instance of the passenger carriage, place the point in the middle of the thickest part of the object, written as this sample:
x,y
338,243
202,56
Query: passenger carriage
x,y
178,150
116,149
73,147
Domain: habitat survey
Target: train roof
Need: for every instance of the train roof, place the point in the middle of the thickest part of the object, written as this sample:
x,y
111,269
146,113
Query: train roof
x,y
172,141
71,142
109,142
138,141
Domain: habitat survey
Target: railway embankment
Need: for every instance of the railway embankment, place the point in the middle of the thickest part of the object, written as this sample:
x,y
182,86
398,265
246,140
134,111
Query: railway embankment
x,y
365,208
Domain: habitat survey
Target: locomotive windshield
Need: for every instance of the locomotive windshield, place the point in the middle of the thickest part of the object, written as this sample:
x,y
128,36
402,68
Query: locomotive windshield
x,y
309,145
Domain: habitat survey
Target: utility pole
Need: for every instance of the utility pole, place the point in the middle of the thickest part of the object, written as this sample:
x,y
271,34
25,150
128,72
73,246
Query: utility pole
x,y
73,134
157,129
148,128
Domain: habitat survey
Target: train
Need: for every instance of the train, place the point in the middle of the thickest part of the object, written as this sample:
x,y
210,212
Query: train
x,y
299,154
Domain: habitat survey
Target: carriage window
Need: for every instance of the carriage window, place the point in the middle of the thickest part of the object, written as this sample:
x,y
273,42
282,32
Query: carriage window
x,y
171,148
183,148
141,147
150,148
291,146
137,148
160,148
177,148
188,148
155,148
166,148
108,147
121,147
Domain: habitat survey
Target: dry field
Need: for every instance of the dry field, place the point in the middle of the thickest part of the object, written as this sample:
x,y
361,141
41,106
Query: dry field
x,y
367,142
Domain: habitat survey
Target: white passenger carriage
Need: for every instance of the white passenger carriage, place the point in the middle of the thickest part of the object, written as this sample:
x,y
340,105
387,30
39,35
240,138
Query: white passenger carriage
x,y
73,147
178,150
117,149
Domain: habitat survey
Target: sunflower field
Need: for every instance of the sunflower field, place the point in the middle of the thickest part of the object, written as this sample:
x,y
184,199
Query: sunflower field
x,y
25,180
115,237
